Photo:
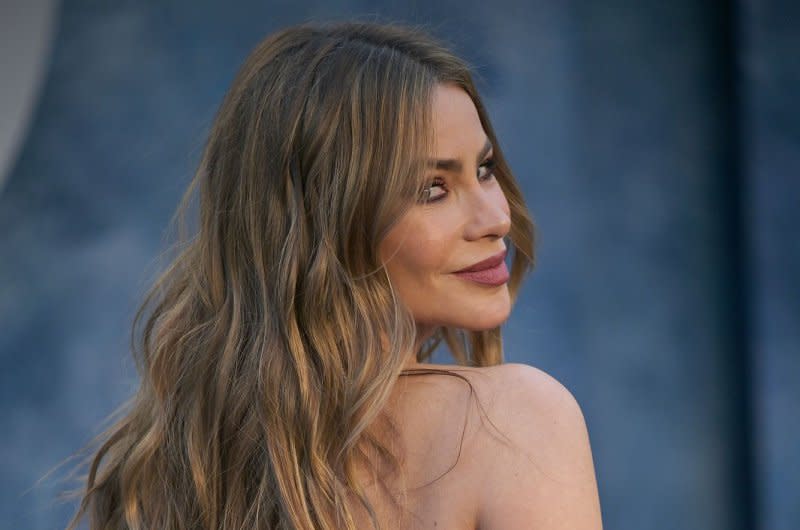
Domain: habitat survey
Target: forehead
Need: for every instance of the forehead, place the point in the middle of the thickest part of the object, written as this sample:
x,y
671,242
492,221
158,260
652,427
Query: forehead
x,y
457,129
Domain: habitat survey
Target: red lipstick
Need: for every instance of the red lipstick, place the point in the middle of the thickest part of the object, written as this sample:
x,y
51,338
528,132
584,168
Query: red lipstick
x,y
491,271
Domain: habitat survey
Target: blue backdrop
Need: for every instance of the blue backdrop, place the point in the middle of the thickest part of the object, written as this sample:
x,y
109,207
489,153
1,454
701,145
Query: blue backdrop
x,y
658,145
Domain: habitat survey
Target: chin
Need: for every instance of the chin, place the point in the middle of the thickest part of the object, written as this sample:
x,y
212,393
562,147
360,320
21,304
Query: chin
x,y
487,318
470,312
486,323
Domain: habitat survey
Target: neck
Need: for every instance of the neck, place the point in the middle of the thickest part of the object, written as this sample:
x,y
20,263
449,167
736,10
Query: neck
x,y
424,332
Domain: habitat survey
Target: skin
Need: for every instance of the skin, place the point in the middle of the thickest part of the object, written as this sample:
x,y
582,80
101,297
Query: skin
x,y
464,222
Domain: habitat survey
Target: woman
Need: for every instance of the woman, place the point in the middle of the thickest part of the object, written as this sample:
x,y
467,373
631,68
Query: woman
x,y
355,210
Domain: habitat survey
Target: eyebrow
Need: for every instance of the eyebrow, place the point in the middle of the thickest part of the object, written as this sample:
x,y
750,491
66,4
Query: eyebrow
x,y
454,165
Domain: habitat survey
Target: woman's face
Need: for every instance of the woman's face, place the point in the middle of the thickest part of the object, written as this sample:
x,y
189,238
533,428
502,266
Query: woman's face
x,y
463,222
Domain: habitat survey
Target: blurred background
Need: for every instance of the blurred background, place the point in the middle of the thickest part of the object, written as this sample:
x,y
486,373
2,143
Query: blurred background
x,y
658,145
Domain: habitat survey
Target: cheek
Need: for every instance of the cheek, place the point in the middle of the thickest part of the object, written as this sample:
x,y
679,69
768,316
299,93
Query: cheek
x,y
416,251
424,254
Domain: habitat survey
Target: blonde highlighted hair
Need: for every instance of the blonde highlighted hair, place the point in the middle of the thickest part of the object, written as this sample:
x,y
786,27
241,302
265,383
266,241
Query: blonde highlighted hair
x,y
274,338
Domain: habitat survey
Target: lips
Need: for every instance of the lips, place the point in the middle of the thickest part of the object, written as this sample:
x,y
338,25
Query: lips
x,y
488,263
491,271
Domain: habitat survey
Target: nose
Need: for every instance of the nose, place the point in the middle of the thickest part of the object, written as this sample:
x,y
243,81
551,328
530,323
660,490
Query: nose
x,y
487,214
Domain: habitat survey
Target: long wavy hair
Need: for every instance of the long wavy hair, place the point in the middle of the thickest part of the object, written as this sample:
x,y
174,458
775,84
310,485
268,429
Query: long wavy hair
x,y
273,340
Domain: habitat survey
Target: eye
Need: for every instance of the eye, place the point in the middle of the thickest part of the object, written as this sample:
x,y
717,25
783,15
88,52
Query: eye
x,y
488,169
434,191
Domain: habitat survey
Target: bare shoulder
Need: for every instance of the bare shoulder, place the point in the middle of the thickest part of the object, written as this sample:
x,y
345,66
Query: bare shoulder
x,y
533,446
520,391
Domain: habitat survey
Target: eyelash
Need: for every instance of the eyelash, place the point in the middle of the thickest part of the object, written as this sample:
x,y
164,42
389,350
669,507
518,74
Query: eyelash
x,y
489,164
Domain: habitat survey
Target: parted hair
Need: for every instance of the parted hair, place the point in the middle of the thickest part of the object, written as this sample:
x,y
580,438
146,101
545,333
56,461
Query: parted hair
x,y
273,339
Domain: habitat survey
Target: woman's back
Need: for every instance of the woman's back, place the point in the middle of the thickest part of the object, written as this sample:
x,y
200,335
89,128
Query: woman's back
x,y
430,412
